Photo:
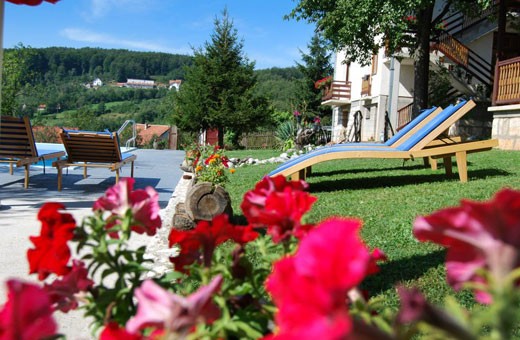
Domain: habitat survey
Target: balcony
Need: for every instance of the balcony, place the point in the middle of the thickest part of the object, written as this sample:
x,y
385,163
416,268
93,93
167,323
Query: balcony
x,y
506,88
337,93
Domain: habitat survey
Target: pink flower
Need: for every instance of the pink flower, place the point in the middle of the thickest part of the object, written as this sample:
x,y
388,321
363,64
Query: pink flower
x,y
160,309
63,291
51,252
27,314
205,238
144,205
279,205
477,235
329,262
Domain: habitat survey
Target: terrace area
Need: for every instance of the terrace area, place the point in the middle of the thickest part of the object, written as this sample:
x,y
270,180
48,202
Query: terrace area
x,y
19,207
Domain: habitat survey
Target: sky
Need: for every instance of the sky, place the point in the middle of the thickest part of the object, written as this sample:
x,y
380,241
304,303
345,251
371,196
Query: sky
x,y
172,26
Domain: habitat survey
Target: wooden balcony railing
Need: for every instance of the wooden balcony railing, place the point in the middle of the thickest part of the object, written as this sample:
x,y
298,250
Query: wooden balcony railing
x,y
506,88
404,116
337,90
365,85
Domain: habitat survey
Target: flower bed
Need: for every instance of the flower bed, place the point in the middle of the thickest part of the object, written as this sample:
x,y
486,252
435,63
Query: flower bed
x,y
302,284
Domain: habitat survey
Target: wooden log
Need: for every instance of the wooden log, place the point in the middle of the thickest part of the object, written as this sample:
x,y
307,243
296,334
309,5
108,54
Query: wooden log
x,y
181,220
205,201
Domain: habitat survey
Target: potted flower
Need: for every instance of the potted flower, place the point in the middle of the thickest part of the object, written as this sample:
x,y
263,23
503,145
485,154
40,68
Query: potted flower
x,y
323,83
208,198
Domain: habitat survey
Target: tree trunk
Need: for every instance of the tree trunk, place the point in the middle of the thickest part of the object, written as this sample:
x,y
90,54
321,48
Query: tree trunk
x,y
221,136
205,201
422,59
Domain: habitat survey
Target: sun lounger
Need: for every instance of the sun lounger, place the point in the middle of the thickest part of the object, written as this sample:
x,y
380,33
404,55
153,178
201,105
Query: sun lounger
x,y
89,149
418,145
17,145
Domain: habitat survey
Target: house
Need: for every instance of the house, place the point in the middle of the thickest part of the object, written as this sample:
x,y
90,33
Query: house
x,y
148,132
369,102
97,82
140,83
175,84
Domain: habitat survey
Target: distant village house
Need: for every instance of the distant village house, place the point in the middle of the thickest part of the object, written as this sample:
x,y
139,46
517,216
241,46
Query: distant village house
x,y
140,84
175,84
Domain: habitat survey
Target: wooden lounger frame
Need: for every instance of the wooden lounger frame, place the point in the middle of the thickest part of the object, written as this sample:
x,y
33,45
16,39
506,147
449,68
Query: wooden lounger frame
x,y
92,150
429,147
17,146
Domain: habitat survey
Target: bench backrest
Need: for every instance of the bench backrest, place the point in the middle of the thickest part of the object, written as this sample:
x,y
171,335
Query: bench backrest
x,y
87,146
16,138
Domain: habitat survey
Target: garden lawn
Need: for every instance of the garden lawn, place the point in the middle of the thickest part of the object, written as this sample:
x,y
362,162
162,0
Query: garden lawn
x,y
387,196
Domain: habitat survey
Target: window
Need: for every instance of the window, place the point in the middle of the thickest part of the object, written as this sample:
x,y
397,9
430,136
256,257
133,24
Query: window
x,y
374,63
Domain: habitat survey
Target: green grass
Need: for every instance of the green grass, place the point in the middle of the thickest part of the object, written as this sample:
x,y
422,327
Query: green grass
x,y
387,196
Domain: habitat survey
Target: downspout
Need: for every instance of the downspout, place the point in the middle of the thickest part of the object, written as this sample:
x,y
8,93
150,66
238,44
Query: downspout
x,y
390,93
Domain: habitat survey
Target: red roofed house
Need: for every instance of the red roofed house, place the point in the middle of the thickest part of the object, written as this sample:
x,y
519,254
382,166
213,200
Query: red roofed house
x,y
147,132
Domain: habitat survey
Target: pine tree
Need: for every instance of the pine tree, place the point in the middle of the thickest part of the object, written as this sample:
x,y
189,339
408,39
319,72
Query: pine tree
x,y
316,66
218,92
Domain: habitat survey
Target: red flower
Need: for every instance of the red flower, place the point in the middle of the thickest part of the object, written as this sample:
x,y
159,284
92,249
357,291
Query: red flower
x,y
477,235
279,205
27,314
51,253
376,256
310,288
254,200
113,331
62,292
204,238
144,205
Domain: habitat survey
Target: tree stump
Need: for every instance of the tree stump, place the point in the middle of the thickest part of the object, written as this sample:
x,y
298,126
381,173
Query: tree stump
x,y
205,201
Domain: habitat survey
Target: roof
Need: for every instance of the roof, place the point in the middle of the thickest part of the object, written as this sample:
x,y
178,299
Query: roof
x,y
147,131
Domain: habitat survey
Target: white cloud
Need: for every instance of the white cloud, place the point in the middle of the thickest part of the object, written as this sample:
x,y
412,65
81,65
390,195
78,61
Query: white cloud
x,y
86,36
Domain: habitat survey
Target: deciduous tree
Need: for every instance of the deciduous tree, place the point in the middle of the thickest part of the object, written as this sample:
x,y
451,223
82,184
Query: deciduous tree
x,y
361,27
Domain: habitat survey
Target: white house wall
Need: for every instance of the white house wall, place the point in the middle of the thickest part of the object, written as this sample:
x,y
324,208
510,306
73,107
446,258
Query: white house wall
x,y
374,106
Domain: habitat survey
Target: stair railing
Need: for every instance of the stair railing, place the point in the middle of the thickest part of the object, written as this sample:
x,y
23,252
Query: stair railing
x,y
462,55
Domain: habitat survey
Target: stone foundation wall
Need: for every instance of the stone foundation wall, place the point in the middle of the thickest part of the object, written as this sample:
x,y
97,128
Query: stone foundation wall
x,y
471,129
506,126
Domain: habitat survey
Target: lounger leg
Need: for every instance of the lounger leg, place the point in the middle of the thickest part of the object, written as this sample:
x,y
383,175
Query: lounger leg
x,y
448,166
132,170
434,164
85,170
117,176
295,176
11,169
26,181
59,177
308,171
302,173
462,166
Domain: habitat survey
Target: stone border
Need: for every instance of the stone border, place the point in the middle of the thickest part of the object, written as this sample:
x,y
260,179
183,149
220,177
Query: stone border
x,y
158,250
